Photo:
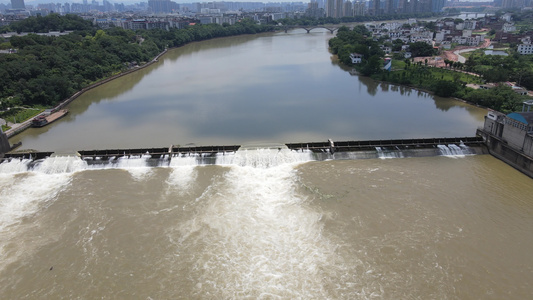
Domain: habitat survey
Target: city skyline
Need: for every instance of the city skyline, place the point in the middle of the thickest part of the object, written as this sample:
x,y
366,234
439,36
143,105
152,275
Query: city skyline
x,y
36,2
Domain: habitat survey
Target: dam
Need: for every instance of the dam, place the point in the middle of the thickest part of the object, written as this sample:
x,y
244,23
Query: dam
x,y
103,224
319,151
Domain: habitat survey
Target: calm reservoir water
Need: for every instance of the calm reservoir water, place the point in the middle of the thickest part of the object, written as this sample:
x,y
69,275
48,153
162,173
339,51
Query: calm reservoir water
x,y
281,88
261,224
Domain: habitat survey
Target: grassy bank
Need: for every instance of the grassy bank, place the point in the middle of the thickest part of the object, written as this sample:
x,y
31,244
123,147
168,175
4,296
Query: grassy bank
x,y
20,114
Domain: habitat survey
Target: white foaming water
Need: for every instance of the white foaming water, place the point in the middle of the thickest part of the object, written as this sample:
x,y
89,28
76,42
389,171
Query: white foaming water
x,y
255,237
264,158
23,196
15,166
452,150
61,164
183,173
50,165
20,195
137,166
388,154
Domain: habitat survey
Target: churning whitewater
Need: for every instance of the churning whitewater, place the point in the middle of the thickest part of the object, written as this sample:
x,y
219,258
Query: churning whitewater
x,y
249,234
263,224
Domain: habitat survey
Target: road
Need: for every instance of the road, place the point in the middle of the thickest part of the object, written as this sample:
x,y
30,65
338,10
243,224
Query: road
x,y
452,55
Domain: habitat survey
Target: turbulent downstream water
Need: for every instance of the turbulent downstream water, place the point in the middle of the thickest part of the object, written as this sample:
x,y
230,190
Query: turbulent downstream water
x,y
266,224
261,224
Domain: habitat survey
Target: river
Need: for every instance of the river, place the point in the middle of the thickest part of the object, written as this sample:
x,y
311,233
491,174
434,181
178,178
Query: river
x,y
261,224
282,88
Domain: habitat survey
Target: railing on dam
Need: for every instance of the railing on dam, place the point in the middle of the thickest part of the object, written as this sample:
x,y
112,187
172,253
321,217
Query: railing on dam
x,y
329,147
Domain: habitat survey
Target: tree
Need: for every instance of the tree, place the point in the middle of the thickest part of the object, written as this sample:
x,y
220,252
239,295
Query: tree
x,y
421,49
372,66
445,88
46,70
397,45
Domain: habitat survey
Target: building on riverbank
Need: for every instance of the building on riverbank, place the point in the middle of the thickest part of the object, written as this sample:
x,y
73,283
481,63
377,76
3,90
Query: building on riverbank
x,y
510,137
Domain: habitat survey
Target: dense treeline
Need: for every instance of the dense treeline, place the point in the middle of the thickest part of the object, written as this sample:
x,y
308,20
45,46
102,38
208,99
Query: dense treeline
x,y
51,22
496,68
305,21
356,41
445,83
46,70
448,83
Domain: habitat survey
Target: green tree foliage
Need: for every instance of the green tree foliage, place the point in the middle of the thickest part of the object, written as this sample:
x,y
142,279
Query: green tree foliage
x,y
421,49
310,21
355,41
372,66
496,68
445,88
500,98
46,70
52,22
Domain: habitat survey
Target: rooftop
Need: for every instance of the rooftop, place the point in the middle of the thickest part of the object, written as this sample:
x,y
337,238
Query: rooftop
x,y
523,117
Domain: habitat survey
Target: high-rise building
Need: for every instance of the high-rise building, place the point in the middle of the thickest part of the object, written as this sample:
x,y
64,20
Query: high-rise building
x,y
376,7
403,7
163,6
18,4
330,8
359,8
338,8
389,7
348,9
413,6
313,10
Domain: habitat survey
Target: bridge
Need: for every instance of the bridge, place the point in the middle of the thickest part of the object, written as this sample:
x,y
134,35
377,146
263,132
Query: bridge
x,y
332,27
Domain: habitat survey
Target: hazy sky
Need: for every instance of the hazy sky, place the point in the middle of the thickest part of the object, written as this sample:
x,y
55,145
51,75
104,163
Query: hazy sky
x,y
35,2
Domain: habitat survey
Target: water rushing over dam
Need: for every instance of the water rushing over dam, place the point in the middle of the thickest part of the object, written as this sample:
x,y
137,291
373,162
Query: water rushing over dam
x,y
271,154
309,221
265,223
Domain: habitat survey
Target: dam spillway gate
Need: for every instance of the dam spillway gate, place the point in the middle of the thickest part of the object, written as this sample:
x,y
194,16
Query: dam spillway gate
x,y
318,150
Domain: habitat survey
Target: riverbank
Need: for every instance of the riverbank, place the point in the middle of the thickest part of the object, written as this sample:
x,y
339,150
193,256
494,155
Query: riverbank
x,y
415,86
198,93
17,128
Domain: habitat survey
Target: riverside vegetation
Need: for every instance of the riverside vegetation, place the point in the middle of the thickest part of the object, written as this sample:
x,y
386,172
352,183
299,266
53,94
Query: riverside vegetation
x,y
450,82
47,69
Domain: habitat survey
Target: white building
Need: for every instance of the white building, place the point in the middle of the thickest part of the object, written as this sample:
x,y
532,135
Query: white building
x,y
439,37
525,49
508,27
356,58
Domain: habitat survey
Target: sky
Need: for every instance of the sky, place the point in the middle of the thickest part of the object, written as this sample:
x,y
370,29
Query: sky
x,y
35,2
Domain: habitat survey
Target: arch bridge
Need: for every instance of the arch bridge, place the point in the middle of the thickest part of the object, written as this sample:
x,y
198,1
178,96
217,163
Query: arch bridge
x,y
332,28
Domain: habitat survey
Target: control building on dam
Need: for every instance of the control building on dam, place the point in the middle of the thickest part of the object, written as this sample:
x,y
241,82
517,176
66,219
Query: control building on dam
x,y
510,137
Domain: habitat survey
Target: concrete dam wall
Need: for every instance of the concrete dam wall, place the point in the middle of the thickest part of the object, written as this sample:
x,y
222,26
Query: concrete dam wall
x,y
315,151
